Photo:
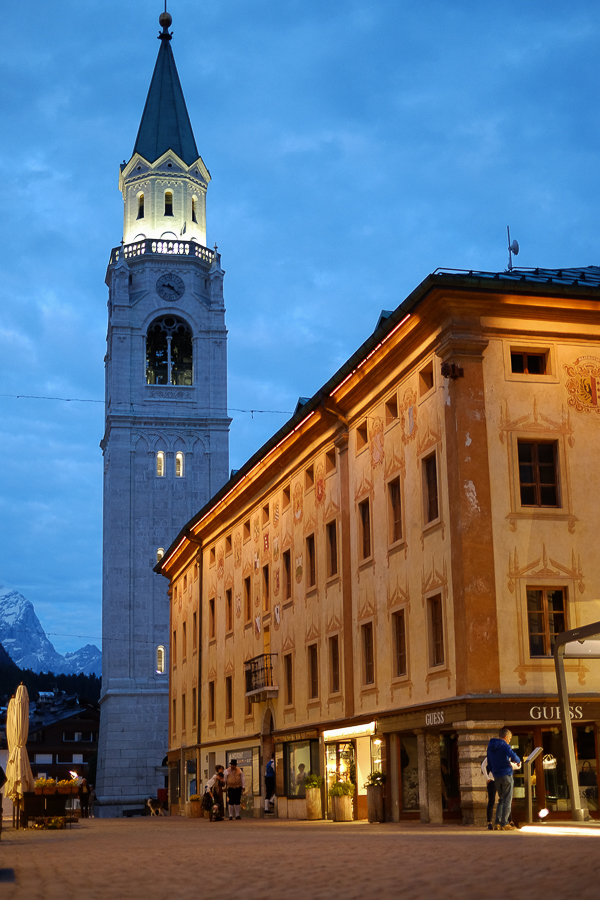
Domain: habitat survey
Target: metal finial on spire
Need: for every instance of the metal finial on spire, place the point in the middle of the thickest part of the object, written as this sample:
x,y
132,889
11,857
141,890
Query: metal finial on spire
x,y
165,20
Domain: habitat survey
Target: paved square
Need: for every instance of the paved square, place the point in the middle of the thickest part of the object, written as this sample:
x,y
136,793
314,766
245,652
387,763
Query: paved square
x,y
106,859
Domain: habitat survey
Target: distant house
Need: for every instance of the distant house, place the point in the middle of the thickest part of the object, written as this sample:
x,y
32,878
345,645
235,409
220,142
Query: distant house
x,y
63,735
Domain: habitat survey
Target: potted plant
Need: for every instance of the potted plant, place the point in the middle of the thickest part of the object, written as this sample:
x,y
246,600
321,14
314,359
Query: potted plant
x,y
74,785
49,786
195,806
64,786
341,794
374,785
38,785
314,806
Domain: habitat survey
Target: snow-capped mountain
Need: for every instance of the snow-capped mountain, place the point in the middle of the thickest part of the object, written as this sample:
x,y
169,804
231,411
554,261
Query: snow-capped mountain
x,y
25,641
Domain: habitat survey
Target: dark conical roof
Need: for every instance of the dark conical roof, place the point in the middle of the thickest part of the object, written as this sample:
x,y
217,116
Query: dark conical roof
x,y
165,121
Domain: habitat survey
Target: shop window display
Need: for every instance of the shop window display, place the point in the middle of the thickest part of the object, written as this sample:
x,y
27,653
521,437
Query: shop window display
x,y
190,778
301,759
409,765
341,763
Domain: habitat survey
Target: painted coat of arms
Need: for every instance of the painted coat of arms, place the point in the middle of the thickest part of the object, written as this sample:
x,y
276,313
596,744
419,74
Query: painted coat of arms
x,y
276,582
276,548
319,485
257,627
297,507
377,451
220,562
299,568
583,384
237,550
238,606
255,529
408,415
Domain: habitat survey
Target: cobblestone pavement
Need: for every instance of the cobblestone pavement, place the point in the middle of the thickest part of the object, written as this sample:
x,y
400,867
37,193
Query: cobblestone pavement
x,y
262,860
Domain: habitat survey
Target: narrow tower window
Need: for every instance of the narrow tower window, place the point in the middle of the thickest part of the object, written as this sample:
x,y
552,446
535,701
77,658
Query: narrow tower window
x,y
160,660
179,465
168,203
140,214
169,352
194,217
160,464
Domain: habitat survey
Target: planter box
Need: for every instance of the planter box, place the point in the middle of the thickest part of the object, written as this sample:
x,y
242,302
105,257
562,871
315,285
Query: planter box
x,y
64,789
49,790
342,808
195,809
313,803
375,802
38,790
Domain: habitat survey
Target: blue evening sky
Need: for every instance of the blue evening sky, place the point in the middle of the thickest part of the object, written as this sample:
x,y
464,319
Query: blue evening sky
x,y
354,145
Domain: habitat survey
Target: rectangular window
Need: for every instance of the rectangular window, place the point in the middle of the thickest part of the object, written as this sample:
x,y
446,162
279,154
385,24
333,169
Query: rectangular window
x,y
399,638
195,632
248,706
546,616
334,664
266,586
287,574
287,493
211,701
211,618
174,653
183,711
523,363
194,707
309,478
184,642
364,511
246,530
247,599
311,564
391,410
426,379
395,510
538,475
229,608
313,672
330,461
229,697
430,486
436,631
362,436
174,717
368,660
332,561
289,679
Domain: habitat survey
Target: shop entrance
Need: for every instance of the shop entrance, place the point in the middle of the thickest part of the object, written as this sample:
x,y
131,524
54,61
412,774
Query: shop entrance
x,y
550,788
341,766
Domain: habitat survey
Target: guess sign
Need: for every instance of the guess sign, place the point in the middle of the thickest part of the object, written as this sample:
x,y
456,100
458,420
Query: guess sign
x,y
435,718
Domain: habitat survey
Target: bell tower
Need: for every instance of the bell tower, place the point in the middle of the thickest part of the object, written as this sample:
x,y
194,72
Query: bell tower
x,y
166,439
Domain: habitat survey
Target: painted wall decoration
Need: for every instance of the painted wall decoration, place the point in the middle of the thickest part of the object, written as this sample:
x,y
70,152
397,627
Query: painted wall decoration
x,y
299,568
237,550
255,529
276,513
277,612
298,503
276,548
256,562
220,562
257,626
320,484
583,384
266,543
408,415
376,435
276,582
238,606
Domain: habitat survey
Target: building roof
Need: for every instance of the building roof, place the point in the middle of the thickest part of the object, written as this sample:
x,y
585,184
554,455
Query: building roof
x,y
165,121
574,282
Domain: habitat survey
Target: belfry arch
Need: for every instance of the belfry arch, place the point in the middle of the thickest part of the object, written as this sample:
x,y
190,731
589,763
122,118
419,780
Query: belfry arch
x,y
169,354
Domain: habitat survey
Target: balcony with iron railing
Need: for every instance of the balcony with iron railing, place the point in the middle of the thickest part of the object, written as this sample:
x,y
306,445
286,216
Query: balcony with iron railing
x,y
260,683
150,246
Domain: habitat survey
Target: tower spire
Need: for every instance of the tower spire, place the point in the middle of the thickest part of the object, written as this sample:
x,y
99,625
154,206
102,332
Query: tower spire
x,y
165,123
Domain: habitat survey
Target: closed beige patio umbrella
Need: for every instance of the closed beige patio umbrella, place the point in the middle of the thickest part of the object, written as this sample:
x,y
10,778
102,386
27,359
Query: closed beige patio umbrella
x,y
19,777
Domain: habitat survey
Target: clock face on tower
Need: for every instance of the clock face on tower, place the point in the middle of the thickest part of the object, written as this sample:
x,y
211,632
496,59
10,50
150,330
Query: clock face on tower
x,y
170,287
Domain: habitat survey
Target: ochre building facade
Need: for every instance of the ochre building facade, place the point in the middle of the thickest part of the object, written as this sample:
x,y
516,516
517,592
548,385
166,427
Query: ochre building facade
x,y
379,587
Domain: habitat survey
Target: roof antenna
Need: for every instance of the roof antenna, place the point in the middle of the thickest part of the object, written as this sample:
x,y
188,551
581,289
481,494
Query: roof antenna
x,y
512,248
